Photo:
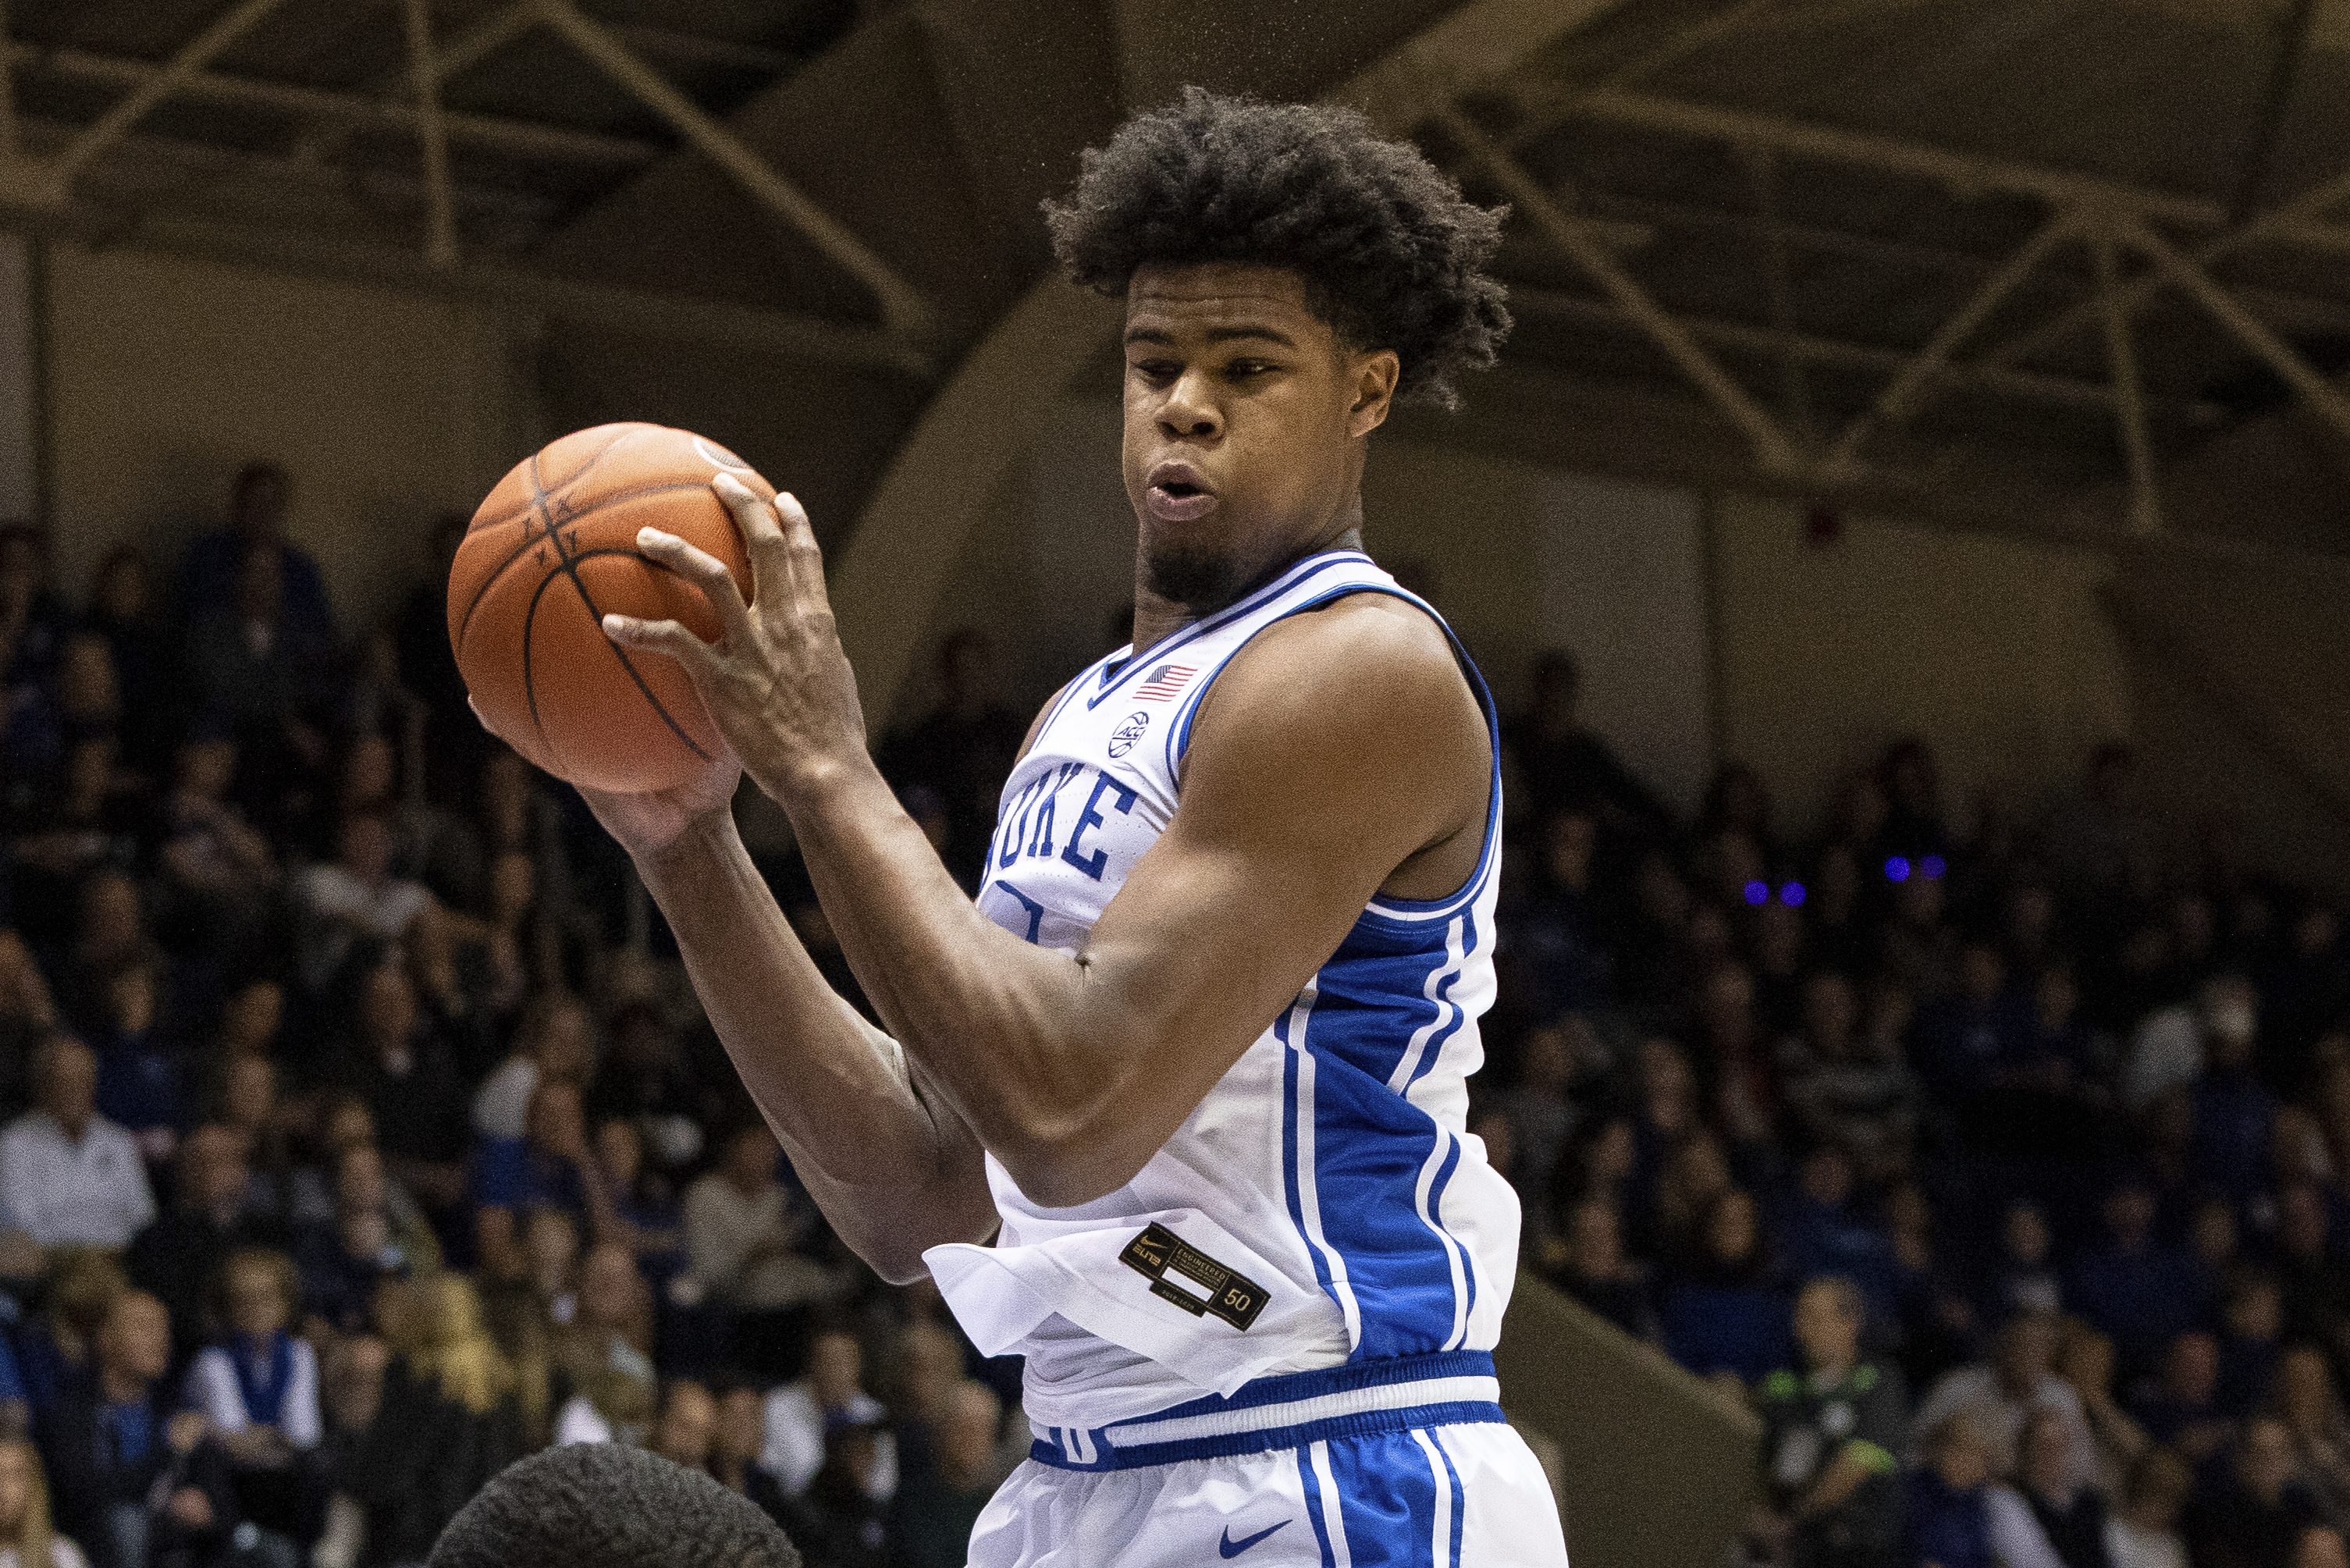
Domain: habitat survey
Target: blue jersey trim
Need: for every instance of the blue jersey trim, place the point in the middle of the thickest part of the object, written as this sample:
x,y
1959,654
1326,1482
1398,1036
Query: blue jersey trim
x,y
1409,1417
1311,1485
1312,566
1460,1499
1394,912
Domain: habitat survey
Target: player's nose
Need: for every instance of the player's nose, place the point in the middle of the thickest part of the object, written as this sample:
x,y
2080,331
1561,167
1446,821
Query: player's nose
x,y
1189,410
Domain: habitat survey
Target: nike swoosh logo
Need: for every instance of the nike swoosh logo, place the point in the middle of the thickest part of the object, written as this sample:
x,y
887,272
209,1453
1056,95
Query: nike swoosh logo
x,y
1228,1547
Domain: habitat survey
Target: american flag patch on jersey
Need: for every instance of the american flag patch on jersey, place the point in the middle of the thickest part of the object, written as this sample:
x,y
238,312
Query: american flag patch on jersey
x,y
1164,681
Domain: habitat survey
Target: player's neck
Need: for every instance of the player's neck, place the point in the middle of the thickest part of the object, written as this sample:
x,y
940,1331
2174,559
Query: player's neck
x,y
1158,618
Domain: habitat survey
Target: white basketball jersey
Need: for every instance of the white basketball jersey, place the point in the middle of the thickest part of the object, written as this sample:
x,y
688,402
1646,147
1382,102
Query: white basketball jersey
x,y
1324,1206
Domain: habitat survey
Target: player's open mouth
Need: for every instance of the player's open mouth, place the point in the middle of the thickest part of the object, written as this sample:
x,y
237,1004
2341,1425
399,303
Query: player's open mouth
x,y
1176,494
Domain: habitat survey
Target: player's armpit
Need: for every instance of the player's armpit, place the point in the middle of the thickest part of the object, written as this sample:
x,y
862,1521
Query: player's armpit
x,y
1340,753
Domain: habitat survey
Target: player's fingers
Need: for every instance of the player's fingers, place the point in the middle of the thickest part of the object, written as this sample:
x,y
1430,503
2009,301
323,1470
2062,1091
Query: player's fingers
x,y
706,572
761,537
662,636
796,544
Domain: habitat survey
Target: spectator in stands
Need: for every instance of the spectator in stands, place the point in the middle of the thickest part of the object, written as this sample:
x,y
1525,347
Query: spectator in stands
x,y
931,1516
2252,1336
736,1447
1937,1306
2133,1286
2234,1111
601,1352
2005,1391
109,931
401,1070
1847,1086
211,576
2304,1399
253,669
2255,1516
257,1387
2315,1281
1553,938
2144,1530
122,610
1725,1313
68,1175
28,1539
743,1236
1964,1037
344,1261
1601,1275
686,1424
2182,1410
2084,1359
646,1217
135,1483
800,1414
963,749
1946,1514
557,1041
141,1075
1564,764
1819,1234
355,897
550,1166
179,1255
2020,1278
57,1348
219,871
1830,1431
645,1077
2051,1518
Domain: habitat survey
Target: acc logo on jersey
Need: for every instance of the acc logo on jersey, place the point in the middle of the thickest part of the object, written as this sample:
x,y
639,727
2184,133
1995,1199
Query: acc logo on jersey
x,y
1122,739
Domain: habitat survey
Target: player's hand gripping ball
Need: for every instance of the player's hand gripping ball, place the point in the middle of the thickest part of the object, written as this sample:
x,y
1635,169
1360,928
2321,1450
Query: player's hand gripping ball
x,y
549,555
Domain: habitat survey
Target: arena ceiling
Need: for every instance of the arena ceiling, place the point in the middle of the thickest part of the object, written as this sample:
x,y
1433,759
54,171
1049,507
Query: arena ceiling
x,y
2085,262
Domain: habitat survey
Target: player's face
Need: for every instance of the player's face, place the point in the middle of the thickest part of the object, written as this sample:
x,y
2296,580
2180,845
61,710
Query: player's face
x,y
1244,420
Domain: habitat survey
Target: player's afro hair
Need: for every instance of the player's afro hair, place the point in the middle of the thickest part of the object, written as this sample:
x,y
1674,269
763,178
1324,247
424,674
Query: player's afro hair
x,y
1392,256
607,1505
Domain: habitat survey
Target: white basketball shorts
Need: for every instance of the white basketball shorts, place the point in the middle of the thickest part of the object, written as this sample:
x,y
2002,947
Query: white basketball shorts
x,y
1432,1497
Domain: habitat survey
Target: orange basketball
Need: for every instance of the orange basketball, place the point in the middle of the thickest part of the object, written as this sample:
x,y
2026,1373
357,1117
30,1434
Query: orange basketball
x,y
549,555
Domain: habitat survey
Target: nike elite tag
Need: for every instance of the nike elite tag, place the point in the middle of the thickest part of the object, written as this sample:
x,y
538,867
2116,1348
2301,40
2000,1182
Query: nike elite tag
x,y
1184,1274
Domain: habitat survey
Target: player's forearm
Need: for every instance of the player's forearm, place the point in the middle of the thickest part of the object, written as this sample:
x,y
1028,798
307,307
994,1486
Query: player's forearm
x,y
1026,1044
893,1174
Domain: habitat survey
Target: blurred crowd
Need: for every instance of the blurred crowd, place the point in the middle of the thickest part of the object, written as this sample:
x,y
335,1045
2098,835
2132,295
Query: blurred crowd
x,y
359,1133
1998,1158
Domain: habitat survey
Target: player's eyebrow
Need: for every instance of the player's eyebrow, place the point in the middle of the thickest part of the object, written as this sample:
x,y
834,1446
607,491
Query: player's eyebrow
x,y
1214,335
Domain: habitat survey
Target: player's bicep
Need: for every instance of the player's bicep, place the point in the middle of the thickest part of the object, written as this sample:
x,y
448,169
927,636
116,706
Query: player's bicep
x,y
1320,764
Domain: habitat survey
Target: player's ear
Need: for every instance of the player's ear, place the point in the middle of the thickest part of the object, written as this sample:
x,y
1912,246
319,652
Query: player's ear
x,y
1374,374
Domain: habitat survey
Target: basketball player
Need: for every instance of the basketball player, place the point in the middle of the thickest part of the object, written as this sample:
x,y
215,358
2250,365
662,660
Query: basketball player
x,y
1176,1110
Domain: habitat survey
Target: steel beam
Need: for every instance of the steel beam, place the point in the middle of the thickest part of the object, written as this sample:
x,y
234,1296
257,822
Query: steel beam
x,y
1774,452
1901,400
511,136
2324,398
1962,173
908,313
2311,203
133,107
2032,387
2129,409
440,241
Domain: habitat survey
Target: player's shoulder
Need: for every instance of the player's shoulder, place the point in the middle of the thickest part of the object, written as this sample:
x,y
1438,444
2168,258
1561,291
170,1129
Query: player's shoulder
x,y
1366,670
1368,646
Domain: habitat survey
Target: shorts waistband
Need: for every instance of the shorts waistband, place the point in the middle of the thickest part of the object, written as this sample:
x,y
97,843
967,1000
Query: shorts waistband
x,y
1397,1394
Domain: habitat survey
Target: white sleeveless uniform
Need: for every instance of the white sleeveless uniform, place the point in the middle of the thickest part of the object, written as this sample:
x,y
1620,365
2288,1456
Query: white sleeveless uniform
x,y
1288,1314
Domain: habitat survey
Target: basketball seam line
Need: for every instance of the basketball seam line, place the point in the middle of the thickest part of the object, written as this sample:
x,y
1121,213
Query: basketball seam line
x,y
529,539
566,482
568,565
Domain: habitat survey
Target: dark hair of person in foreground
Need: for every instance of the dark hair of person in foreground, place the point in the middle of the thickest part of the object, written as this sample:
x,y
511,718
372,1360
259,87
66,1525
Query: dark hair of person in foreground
x,y
607,1505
